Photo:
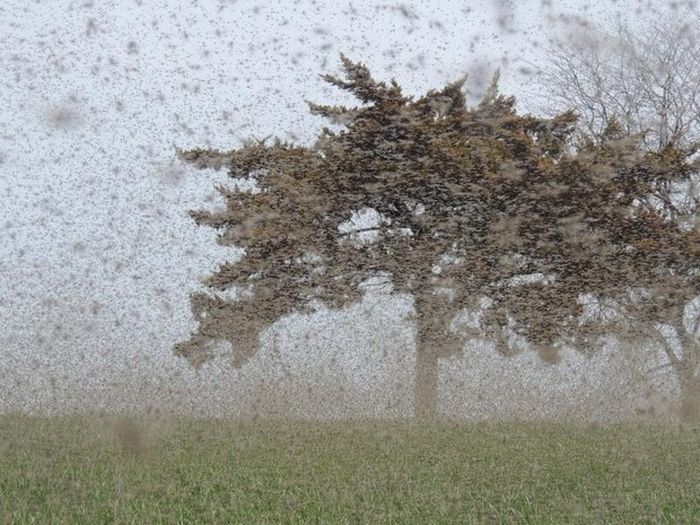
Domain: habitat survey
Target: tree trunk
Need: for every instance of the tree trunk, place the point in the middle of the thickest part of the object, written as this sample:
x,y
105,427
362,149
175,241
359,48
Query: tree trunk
x,y
690,396
426,387
688,379
425,401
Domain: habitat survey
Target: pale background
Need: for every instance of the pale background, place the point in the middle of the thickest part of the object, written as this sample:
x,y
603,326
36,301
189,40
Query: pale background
x,y
98,255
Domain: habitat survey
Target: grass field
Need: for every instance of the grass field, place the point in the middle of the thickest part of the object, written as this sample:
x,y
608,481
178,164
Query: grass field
x,y
92,470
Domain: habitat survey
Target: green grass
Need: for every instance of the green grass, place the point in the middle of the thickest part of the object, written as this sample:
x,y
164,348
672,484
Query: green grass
x,y
84,470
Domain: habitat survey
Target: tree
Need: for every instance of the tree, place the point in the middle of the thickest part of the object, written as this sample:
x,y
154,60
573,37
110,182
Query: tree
x,y
475,210
631,258
644,77
639,83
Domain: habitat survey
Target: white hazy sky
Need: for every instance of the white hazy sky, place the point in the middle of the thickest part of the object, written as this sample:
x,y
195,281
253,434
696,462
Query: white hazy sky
x,y
97,253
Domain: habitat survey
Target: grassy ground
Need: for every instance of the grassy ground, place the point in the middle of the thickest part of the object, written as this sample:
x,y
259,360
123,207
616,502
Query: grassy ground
x,y
90,470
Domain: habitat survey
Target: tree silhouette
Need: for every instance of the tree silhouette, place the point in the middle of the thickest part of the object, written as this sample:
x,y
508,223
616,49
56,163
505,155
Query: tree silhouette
x,y
477,210
630,253
638,83
642,74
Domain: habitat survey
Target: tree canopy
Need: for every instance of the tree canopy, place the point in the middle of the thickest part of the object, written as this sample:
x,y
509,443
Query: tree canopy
x,y
638,81
642,74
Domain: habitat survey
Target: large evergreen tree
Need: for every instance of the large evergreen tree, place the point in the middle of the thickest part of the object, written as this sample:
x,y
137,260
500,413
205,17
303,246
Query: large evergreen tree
x,y
477,209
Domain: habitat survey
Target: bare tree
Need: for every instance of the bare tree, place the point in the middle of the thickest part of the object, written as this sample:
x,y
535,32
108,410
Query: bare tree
x,y
642,82
644,77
